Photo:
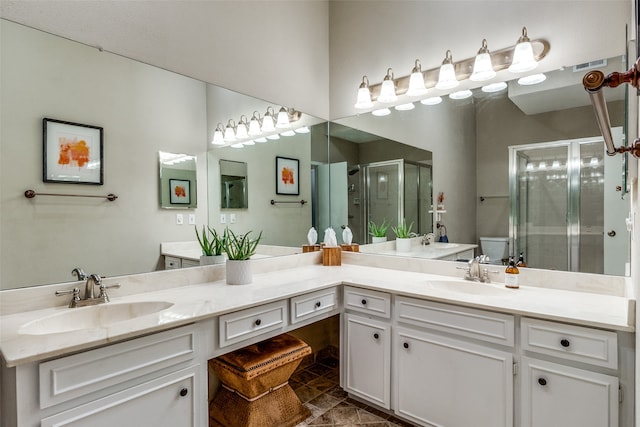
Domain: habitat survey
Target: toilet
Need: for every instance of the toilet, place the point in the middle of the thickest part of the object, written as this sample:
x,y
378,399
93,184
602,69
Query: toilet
x,y
496,248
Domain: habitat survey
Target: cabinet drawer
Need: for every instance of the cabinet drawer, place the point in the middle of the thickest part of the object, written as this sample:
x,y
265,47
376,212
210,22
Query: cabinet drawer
x,y
313,304
172,263
367,301
249,323
570,342
468,322
189,263
74,376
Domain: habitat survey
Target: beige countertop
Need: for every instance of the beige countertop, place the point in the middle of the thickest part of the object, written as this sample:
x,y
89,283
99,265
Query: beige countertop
x,y
198,301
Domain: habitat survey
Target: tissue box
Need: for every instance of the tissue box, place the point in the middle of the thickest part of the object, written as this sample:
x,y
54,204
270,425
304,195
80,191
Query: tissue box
x,y
331,256
354,247
310,248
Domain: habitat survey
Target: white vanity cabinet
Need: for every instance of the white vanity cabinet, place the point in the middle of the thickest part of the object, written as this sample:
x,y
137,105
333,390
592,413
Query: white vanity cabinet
x,y
557,393
366,356
158,379
443,379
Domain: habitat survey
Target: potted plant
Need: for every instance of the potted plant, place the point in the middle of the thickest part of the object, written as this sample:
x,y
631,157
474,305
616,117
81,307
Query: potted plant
x,y
239,248
378,232
212,245
403,236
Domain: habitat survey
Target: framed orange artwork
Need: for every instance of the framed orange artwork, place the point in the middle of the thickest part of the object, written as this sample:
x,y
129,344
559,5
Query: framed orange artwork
x,y
287,176
72,153
180,191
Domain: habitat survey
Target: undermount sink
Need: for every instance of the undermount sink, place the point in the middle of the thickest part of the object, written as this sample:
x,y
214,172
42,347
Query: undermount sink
x,y
91,317
470,288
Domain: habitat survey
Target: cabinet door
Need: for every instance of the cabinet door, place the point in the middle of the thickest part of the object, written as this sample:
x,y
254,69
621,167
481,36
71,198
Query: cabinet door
x,y
446,382
166,401
558,395
367,355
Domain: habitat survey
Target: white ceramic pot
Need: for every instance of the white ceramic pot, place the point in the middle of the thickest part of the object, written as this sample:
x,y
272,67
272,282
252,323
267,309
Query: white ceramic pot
x,y
239,272
375,239
403,245
211,259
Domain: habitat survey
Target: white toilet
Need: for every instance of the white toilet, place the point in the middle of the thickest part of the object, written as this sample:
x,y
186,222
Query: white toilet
x,y
496,248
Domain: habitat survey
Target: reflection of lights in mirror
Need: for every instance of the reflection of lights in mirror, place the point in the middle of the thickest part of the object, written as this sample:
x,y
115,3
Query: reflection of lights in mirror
x,y
461,94
381,112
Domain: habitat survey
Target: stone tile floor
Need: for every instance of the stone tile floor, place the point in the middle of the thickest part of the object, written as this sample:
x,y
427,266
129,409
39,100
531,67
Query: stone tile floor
x,y
317,386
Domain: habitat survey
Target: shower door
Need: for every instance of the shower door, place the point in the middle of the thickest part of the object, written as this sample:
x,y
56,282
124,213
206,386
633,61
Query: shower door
x,y
558,214
384,193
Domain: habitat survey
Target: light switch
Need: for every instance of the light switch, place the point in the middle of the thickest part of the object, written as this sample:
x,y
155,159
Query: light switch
x,y
232,218
192,219
179,219
223,218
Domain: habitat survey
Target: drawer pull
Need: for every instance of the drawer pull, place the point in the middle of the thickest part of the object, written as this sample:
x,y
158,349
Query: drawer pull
x,y
258,322
318,304
364,302
376,335
565,342
405,345
542,381
184,391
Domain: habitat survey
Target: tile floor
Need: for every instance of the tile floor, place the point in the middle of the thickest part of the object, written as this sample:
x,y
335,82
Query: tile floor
x,y
317,386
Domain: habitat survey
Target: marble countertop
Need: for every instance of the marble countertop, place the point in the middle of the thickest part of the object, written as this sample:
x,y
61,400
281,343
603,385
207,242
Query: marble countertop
x,y
432,251
196,302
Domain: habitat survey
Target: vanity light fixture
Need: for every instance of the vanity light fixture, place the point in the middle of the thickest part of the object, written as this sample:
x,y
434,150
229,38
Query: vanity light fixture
x,y
229,131
283,119
416,81
494,87
533,79
267,121
434,100
364,95
447,77
218,135
381,112
523,59
405,107
241,129
388,89
461,94
482,66
254,125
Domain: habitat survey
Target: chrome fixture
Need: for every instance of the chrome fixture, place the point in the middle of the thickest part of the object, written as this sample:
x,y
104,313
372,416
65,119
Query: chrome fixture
x,y
519,58
241,129
283,119
230,131
89,293
79,273
218,135
475,272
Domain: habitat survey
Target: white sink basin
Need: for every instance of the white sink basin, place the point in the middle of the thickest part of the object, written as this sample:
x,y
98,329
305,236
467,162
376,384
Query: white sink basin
x,y
91,317
437,245
470,288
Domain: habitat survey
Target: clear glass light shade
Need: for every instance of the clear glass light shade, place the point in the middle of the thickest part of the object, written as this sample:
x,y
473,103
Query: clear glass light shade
x,y
218,137
387,92
434,100
533,79
447,77
283,119
267,123
405,107
523,59
494,87
254,127
461,94
416,84
381,112
482,68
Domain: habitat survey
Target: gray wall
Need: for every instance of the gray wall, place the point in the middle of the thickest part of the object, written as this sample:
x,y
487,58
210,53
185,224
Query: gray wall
x,y
142,109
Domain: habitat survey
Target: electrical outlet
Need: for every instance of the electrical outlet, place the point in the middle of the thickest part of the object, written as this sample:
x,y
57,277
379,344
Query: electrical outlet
x,y
223,218
192,219
179,219
232,218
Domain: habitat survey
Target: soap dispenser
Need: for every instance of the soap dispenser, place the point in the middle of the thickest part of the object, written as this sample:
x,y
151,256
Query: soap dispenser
x,y
511,275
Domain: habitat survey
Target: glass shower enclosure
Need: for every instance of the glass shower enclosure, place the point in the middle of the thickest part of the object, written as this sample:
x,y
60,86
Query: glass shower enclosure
x,y
563,206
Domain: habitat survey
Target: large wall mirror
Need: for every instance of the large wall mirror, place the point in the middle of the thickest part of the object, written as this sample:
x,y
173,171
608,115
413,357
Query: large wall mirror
x,y
144,110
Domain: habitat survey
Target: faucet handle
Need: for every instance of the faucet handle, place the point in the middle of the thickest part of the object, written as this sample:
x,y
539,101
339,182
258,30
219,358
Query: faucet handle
x,y
103,291
467,271
75,298
79,273
485,275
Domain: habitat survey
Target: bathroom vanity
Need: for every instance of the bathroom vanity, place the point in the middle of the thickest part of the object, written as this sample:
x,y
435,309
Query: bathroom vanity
x,y
415,340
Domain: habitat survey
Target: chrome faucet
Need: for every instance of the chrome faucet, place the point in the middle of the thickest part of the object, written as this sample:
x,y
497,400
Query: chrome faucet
x,y
90,297
79,273
475,272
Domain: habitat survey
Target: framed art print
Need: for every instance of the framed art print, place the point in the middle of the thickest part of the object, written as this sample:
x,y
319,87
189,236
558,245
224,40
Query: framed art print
x,y
287,176
180,191
72,152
